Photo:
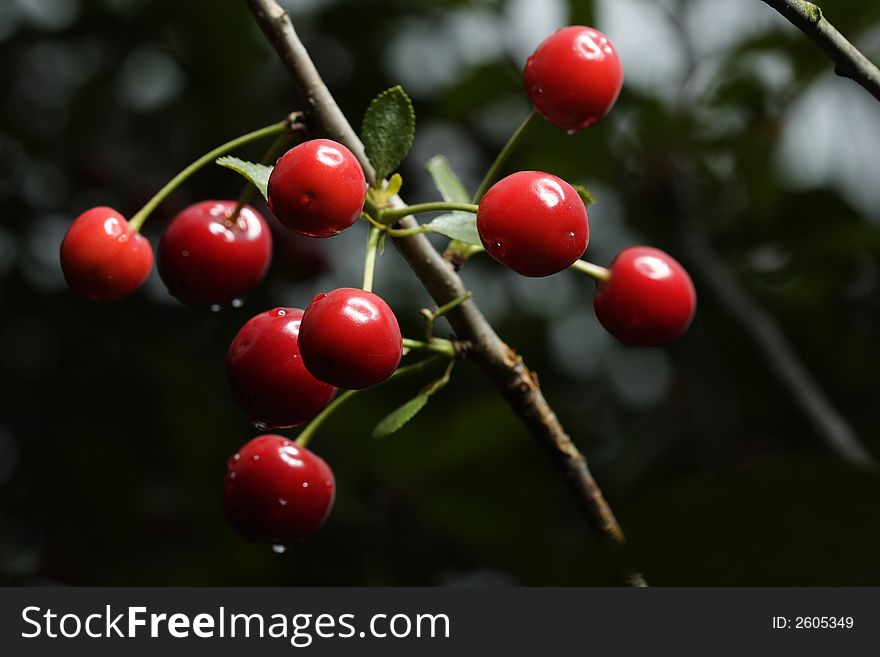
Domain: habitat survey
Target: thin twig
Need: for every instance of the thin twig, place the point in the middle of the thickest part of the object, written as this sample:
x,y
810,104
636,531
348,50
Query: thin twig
x,y
780,357
503,366
755,322
849,60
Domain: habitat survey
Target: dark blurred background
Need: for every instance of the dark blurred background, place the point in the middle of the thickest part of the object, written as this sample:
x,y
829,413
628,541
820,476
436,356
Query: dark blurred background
x,y
116,421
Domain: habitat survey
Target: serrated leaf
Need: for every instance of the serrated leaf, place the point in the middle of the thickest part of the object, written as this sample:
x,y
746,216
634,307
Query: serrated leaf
x,y
461,226
257,174
388,130
400,416
585,194
445,180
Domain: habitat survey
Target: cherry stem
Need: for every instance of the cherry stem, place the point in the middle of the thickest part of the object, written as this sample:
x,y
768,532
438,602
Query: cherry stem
x,y
599,273
406,232
370,257
396,232
455,303
436,345
306,434
247,192
137,221
442,381
370,209
504,155
390,215
432,315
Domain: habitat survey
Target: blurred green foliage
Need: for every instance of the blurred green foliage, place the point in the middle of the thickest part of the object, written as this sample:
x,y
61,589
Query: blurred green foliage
x,y
115,421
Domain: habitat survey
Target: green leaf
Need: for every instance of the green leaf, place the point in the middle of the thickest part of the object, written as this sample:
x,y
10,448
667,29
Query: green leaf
x,y
388,130
400,416
461,226
380,196
585,194
258,174
447,183
395,182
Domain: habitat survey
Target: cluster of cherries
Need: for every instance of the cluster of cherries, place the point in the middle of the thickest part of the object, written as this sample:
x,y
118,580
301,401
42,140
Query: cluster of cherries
x,y
285,364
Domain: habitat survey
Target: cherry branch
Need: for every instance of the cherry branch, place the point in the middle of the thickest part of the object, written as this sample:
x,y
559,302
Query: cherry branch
x,y
503,366
849,60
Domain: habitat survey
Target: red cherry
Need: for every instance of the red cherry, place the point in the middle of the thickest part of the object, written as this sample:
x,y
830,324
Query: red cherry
x,y
350,338
267,374
534,223
649,299
276,491
574,77
206,259
317,188
102,258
